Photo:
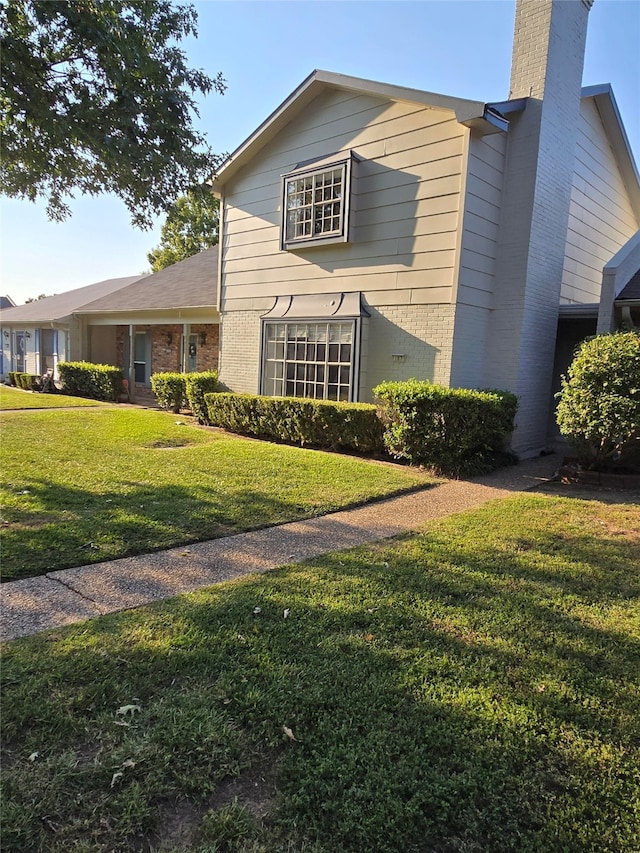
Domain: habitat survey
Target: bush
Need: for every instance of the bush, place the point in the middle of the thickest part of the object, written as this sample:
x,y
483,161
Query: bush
x,y
599,408
170,390
26,381
313,423
199,384
95,381
11,375
452,430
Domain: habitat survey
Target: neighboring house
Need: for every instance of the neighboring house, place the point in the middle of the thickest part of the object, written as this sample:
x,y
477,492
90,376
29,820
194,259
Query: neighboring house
x,y
5,302
161,322
39,335
167,321
372,232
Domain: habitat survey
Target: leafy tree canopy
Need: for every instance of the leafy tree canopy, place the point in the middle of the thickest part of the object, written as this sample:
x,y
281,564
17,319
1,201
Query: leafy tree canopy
x,y
191,227
97,97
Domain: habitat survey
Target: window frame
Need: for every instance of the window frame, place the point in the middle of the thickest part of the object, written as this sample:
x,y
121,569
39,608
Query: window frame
x,y
311,169
354,361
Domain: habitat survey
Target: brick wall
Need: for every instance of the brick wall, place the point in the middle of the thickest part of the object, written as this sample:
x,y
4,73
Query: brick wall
x,y
423,334
407,341
166,357
240,351
547,66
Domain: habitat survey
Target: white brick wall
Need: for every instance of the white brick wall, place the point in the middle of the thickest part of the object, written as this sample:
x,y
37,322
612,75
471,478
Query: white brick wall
x,y
240,351
547,68
423,334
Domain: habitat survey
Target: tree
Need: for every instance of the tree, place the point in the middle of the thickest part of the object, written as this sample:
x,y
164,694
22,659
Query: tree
x,y
97,97
191,226
35,298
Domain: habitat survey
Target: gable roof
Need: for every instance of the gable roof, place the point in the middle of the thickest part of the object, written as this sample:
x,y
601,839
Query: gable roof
x,y
467,112
53,309
191,283
609,113
490,117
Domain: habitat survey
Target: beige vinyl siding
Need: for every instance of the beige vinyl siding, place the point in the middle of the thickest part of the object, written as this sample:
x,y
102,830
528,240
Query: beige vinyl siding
x,y
478,253
601,218
405,205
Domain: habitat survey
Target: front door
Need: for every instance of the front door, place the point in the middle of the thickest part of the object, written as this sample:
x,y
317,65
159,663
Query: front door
x,y
192,354
142,359
47,350
19,352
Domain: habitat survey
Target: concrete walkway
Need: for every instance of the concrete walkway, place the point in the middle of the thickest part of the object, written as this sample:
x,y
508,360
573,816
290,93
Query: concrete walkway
x,y
73,595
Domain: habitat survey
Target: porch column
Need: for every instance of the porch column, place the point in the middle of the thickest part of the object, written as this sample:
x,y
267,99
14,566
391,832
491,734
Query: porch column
x,y
132,369
186,328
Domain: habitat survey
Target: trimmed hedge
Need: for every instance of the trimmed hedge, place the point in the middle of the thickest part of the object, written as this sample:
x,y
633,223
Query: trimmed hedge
x,y
94,381
198,385
599,408
170,390
26,381
313,423
455,431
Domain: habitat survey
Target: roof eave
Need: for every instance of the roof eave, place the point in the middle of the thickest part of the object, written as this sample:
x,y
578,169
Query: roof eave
x,y
611,119
466,112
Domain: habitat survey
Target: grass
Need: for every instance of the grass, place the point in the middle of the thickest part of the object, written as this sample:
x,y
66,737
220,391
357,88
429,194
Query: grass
x,y
15,398
84,486
471,688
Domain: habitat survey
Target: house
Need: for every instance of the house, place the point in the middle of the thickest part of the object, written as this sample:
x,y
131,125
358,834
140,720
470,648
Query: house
x,y
167,321
373,232
39,335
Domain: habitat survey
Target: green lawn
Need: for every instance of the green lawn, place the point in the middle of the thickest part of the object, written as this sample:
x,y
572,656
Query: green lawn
x,y
84,486
15,398
471,688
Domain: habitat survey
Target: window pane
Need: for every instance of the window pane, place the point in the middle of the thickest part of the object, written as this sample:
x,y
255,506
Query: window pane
x,y
313,204
306,365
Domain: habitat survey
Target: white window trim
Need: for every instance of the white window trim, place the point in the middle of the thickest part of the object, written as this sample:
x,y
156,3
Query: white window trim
x,y
309,170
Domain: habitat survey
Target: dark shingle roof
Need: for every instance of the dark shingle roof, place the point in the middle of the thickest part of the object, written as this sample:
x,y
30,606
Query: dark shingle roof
x,y
632,289
53,308
191,283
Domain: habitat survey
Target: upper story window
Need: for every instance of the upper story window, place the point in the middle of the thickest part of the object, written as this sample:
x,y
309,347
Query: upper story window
x,y
316,203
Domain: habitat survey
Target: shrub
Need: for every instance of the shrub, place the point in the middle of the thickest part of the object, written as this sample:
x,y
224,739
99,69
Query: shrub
x,y
27,381
314,423
452,430
170,390
95,381
599,408
197,385
11,375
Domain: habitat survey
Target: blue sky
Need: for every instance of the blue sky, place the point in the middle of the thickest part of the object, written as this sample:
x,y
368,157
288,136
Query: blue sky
x,y
265,49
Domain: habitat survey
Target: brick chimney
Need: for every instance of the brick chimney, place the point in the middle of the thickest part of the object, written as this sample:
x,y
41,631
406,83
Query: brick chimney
x,y
547,62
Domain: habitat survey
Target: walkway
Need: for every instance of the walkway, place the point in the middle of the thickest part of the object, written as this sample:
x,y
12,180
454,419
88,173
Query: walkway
x,y
73,595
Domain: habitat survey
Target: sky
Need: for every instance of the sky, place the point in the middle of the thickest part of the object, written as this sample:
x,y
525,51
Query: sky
x,y
265,50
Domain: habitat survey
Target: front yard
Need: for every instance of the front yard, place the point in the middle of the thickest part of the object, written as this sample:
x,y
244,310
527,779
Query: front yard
x,y
85,486
473,688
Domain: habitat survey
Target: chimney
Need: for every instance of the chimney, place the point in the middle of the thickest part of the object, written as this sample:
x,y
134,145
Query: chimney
x,y
548,47
548,57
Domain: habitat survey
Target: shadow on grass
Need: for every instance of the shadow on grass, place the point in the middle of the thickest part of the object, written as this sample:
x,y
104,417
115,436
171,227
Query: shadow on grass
x,y
441,698
74,527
